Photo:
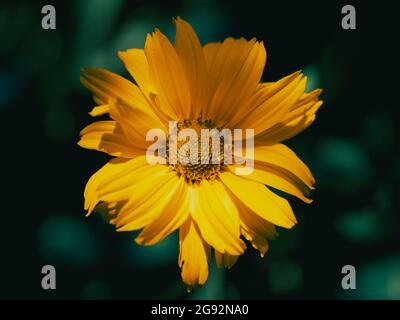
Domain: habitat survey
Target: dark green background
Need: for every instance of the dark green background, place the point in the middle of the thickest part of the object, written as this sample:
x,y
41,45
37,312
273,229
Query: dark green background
x,y
352,149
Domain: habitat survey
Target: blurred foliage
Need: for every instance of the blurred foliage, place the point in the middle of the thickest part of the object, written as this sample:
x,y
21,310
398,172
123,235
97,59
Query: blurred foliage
x,y
377,280
66,239
360,226
285,276
342,165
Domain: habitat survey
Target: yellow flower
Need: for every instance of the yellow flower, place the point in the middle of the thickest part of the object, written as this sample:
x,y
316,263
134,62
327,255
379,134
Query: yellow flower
x,y
214,86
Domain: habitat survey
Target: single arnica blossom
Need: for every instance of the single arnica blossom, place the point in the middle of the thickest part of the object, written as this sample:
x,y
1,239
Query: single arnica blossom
x,y
216,211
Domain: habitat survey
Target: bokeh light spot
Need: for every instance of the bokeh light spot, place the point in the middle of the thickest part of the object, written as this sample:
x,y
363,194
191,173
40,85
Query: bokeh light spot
x,y
342,165
285,276
313,77
359,226
67,239
378,280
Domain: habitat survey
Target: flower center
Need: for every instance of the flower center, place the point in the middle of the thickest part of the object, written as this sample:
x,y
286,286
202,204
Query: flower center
x,y
208,159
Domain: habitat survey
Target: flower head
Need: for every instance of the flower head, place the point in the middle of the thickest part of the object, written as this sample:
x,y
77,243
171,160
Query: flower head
x,y
216,86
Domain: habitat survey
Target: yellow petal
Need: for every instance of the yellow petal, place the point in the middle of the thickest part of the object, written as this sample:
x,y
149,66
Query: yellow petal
x,y
283,158
254,228
136,63
193,255
107,85
225,260
278,111
260,199
147,202
134,123
216,216
119,93
167,74
172,217
279,179
106,136
132,180
294,123
210,52
235,66
107,209
253,102
106,172
276,103
99,110
191,55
